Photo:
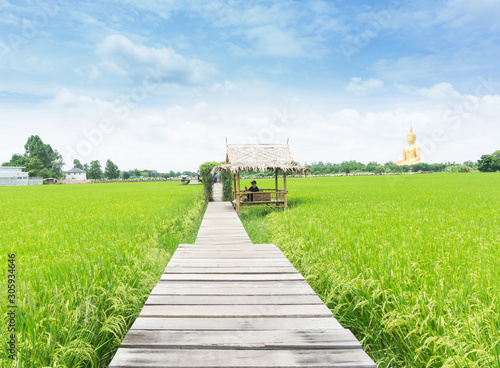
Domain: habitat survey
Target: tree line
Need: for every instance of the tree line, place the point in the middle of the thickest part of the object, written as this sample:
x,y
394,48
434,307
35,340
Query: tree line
x,y
487,163
41,160
111,171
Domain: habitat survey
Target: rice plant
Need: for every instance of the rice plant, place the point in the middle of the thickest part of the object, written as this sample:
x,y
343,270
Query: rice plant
x,y
87,257
411,264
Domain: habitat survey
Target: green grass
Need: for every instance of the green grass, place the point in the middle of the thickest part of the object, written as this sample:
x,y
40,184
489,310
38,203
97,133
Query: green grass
x,y
87,257
411,264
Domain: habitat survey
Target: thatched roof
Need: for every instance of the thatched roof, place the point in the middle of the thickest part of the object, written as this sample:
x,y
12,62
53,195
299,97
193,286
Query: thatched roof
x,y
259,157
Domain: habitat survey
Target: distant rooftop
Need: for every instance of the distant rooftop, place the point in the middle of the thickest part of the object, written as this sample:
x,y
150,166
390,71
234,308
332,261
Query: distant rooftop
x,y
75,170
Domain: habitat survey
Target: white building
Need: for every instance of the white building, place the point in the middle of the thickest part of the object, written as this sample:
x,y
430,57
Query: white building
x,y
10,175
76,174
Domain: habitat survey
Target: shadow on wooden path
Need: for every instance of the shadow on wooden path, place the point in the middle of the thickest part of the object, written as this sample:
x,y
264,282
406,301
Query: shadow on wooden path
x,y
225,302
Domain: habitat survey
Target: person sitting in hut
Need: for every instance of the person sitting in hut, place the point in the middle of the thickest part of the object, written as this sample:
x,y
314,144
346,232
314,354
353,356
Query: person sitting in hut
x,y
252,189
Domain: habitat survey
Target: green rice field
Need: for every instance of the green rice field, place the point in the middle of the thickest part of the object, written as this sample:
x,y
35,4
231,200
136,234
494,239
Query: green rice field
x,y
409,263
86,258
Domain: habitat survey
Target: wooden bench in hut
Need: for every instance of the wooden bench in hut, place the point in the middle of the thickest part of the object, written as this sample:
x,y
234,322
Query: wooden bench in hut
x,y
259,157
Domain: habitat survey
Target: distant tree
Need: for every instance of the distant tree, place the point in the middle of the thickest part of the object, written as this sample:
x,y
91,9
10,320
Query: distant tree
x,y
77,164
178,173
111,170
422,166
86,167
438,167
150,173
33,165
13,160
171,174
351,166
38,156
95,171
136,173
51,159
496,153
488,163
126,175
371,166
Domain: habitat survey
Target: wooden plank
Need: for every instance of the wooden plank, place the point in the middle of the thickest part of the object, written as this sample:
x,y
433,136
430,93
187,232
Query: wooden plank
x,y
229,256
227,249
197,358
202,253
232,299
166,289
196,247
225,261
235,324
242,284
231,277
227,230
246,339
236,270
223,267
228,241
225,311
219,264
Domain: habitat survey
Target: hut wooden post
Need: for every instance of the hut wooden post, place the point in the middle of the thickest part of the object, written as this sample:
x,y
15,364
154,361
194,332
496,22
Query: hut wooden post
x,y
234,186
276,180
238,196
284,187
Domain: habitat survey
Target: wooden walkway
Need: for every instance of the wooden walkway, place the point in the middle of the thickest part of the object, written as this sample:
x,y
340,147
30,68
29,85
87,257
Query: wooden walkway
x,y
225,302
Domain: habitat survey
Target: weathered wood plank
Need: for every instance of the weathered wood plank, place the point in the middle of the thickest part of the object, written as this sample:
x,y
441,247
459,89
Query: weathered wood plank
x,y
232,299
233,261
219,264
228,255
229,250
166,289
197,358
235,247
291,284
235,324
225,311
240,270
231,277
245,339
228,261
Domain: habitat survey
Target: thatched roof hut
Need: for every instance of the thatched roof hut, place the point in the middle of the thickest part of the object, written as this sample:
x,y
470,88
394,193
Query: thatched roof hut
x,y
259,157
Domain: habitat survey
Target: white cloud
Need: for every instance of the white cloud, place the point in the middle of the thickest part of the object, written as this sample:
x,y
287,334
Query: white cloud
x,y
94,73
440,92
362,87
200,106
275,41
459,12
121,56
226,86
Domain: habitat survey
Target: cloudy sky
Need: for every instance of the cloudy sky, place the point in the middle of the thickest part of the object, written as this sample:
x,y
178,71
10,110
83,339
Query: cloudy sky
x,y
160,84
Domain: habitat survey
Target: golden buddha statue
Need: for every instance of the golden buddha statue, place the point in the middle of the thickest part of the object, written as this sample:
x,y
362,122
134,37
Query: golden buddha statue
x,y
411,153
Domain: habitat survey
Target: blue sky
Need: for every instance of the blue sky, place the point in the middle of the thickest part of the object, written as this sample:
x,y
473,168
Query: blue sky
x,y
161,84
